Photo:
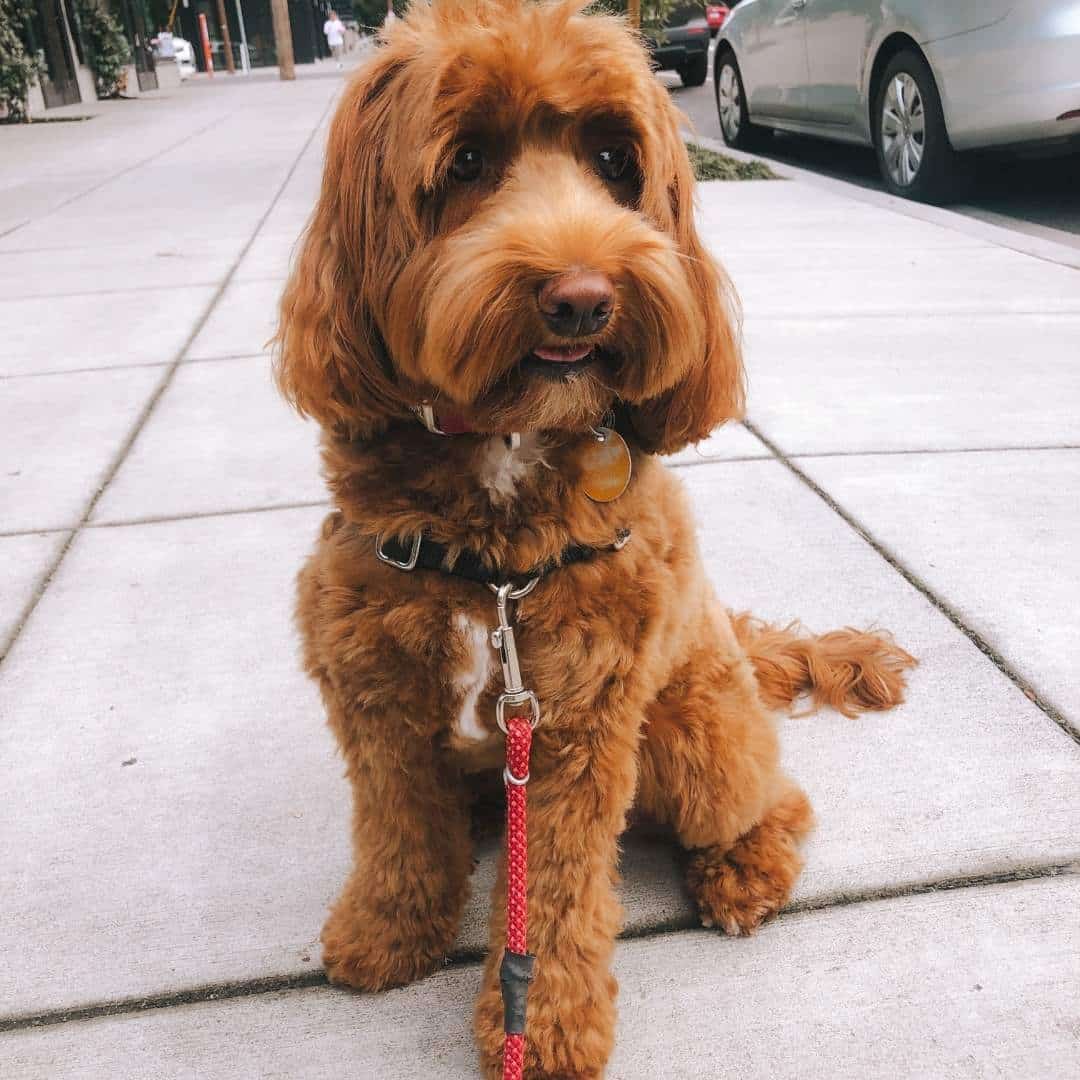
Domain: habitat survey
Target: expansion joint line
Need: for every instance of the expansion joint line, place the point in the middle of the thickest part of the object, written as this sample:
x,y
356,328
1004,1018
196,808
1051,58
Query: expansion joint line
x,y
921,586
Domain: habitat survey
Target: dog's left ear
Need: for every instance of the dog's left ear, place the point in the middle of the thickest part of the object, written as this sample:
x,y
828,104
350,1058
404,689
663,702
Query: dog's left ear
x,y
710,387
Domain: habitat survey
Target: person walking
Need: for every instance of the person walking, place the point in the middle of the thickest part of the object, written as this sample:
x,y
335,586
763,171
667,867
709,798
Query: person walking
x,y
334,29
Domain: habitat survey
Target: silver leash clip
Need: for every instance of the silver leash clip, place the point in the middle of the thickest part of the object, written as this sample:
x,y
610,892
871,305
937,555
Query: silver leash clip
x,y
502,638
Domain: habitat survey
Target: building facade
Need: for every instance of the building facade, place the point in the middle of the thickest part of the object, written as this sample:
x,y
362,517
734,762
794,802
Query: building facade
x,y
55,35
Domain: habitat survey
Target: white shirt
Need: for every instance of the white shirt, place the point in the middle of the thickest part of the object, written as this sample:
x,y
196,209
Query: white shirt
x,y
334,30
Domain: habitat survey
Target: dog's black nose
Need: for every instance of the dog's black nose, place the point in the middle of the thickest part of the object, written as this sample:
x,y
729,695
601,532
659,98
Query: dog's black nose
x,y
576,304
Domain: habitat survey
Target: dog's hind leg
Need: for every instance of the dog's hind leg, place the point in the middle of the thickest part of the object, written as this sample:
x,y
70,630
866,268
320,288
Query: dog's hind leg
x,y
710,769
852,671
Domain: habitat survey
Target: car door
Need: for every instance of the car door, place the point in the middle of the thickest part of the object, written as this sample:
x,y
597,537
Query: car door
x,y
838,36
772,58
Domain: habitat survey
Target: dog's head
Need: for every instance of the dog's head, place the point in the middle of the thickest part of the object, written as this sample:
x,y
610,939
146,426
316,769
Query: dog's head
x,y
506,226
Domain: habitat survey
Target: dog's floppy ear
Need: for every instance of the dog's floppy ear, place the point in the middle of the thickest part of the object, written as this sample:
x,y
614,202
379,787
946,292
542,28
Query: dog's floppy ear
x,y
330,361
710,388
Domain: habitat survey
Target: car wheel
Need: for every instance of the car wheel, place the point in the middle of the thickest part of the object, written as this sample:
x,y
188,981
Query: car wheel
x,y
735,123
914,154
694,72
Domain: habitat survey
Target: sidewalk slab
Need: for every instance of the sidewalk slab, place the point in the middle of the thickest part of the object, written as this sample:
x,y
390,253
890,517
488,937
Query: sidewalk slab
x,y
66,333
995,534
24,561
242,323
789,217
900,383
269,257
221,438
902,282
726,443
170,261
61,435
177,649
965,984
950,783
215,852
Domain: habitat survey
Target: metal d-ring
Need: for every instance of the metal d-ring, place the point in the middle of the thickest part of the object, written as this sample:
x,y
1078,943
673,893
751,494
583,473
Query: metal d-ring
x,y
507,591
519,698
410,562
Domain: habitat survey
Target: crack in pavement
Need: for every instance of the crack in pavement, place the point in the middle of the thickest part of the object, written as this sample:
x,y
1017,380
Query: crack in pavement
x,y
946,609
156,394
116,175
305,980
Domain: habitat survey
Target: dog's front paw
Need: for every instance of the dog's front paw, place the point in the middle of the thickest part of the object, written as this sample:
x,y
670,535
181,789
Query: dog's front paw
x,y
369,955
575,1048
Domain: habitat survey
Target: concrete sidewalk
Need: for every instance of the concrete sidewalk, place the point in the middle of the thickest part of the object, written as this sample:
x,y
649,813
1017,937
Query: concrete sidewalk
x,y
175,817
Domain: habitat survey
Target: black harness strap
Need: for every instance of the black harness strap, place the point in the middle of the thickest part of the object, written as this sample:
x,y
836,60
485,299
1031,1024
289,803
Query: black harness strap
x,y
420,553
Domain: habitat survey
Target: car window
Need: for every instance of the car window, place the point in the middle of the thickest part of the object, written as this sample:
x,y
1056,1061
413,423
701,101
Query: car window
x,y
681,14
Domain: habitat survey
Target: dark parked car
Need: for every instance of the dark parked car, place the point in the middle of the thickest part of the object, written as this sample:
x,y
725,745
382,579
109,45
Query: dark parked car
x,y
681,42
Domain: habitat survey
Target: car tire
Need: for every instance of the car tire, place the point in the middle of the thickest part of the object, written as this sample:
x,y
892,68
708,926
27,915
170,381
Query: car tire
x,y
731,109
695,71
914,154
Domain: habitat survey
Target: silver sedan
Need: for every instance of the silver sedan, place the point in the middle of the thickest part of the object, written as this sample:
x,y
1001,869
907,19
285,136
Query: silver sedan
x,y
919,80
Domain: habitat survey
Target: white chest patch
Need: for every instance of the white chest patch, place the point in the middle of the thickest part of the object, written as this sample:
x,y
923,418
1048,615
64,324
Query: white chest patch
x,y
473,678
502,468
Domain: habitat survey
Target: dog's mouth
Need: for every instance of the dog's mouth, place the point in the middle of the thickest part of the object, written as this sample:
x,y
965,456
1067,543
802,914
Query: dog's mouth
x,y
559,362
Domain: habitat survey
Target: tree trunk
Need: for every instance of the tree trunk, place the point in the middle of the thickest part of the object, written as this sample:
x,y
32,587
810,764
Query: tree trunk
x,y
283,38
226,37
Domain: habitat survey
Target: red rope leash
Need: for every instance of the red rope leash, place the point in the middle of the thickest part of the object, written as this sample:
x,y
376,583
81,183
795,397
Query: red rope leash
x,y
517,964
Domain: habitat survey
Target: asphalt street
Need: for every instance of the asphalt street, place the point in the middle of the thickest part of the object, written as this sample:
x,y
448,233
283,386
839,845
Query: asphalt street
x,y
1040,197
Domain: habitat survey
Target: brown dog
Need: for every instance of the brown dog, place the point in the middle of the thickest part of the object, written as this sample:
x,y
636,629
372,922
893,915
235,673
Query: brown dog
x,y
506,230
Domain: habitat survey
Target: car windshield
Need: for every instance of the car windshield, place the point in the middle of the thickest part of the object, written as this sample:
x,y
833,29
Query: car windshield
x,y
659,13
681,14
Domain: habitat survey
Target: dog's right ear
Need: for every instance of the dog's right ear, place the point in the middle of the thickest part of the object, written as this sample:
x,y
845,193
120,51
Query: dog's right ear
x,y
330,361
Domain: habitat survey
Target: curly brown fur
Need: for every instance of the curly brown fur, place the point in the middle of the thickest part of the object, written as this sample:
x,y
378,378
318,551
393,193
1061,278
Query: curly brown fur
x,y
413,284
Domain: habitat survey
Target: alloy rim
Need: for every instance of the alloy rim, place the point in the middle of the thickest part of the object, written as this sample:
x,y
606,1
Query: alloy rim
x,y
729,102
903,129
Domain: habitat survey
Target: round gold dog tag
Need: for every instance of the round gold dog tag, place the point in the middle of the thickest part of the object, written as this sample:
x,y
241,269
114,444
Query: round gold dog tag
x,y
605,465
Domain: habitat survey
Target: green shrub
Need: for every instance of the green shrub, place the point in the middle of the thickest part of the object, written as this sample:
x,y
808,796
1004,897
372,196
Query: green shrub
x,y
107,51
712,166
18,69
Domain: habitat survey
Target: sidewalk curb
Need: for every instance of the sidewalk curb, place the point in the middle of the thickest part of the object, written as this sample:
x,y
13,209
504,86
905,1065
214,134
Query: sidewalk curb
x,y
1025,244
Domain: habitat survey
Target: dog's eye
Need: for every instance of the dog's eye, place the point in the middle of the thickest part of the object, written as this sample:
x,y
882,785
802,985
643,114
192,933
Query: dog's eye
x,y
468,164
612,161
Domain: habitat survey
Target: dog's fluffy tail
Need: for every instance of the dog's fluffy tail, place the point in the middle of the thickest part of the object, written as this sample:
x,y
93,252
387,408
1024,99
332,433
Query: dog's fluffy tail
x,y
852,671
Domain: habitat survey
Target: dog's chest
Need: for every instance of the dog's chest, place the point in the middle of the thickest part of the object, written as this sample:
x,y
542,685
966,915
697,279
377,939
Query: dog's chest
x,y
471,678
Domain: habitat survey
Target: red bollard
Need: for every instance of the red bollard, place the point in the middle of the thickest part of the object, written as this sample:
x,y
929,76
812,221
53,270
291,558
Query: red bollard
x,y
205,35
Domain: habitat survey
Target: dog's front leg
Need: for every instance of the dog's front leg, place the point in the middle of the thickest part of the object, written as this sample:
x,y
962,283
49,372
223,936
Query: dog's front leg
x,y
398,913
579,797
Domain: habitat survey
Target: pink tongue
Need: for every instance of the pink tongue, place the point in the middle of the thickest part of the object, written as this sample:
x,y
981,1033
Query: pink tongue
x,y
563,356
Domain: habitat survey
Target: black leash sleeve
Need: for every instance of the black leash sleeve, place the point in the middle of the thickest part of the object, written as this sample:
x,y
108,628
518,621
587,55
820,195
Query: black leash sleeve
x,y
515,974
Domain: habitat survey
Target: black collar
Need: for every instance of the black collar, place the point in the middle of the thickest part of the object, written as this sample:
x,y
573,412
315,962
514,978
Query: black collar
x,y
420,553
